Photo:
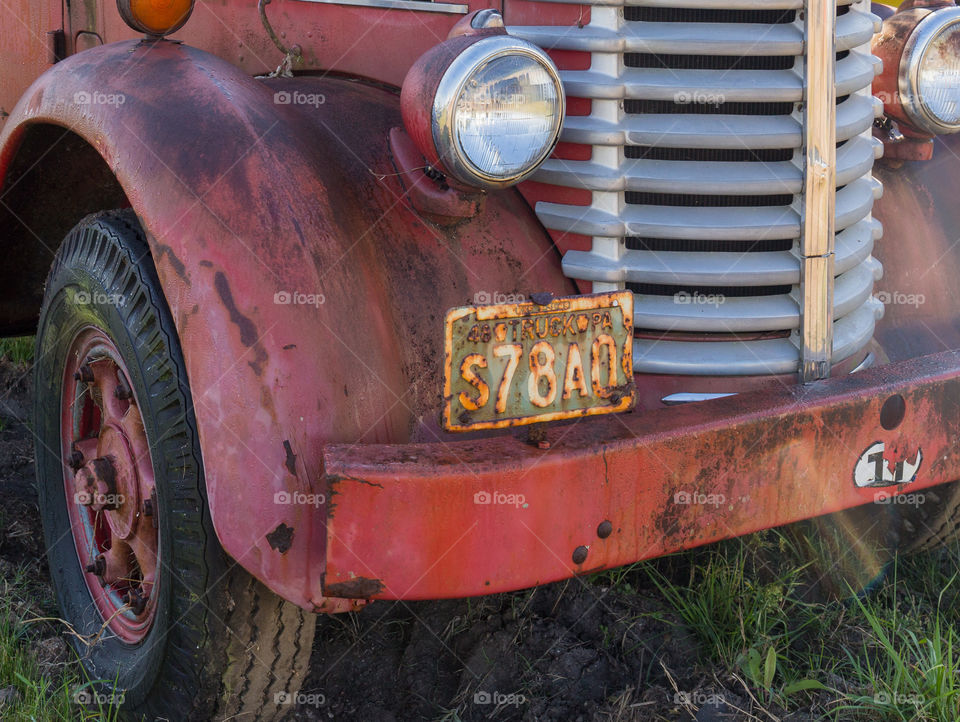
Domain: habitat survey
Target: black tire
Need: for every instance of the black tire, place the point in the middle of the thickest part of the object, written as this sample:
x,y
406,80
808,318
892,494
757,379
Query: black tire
x,y
846,553
220,644
932,521
854,549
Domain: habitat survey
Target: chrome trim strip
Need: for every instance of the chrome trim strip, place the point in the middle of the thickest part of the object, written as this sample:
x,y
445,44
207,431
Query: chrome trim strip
x,y
819,202
865,364
422,5
690,397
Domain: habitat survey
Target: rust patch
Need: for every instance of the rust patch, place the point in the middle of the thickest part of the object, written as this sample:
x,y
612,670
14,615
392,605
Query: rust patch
x,y
358,587
336,479
291,461
175,263
281,538
248,331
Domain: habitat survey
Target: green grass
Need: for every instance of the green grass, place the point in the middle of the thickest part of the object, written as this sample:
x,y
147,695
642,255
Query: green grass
x,y
41,695
891,654
912,659
17,350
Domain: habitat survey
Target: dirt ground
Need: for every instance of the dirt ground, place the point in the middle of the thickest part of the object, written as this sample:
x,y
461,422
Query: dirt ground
x,y
577,650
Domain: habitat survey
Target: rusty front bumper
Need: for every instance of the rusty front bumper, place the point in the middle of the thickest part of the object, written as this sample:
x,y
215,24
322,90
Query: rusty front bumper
x,y
424,521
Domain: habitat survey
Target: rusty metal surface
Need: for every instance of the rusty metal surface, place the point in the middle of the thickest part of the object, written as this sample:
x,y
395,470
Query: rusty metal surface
x,y
268,217
888,45
448,520
537,360
24,47
348,39
920,254
238,194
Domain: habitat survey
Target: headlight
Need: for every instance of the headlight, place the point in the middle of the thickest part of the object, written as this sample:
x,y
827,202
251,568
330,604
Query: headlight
x,y
496,111
930,73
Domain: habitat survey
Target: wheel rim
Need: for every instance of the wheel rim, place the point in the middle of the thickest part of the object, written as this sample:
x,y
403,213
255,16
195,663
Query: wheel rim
x,y
109,484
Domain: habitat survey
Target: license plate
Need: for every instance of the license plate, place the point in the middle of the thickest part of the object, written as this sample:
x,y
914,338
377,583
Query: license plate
x,y
523,363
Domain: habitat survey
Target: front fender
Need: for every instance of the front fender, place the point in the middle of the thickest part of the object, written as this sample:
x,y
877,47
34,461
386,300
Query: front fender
x,y
308,297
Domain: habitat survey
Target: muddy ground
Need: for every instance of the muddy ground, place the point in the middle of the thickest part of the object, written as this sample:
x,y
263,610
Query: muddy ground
x,y
578,650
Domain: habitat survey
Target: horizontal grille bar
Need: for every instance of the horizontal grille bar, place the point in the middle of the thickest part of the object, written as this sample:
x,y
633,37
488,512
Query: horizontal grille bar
x,y
854,159
730,224
855,71
756,358
730,264
713,309
701,4
854,115
686,38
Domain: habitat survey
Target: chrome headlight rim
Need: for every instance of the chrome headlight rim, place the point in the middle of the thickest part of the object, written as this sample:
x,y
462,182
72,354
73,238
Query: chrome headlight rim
x,y
914,53
451,86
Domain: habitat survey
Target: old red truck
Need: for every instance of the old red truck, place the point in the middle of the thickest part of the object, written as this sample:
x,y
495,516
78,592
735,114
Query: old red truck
x,y
347,300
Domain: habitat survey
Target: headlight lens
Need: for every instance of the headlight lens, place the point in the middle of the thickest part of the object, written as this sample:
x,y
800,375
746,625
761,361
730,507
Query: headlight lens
x,y
498,112
930,73
506,115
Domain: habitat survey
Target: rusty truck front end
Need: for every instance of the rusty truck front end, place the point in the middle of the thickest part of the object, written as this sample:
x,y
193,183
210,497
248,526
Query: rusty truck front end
x,y
394,299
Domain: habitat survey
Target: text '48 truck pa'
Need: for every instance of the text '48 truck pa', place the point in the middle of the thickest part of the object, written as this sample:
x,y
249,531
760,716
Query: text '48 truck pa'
x,y
350,300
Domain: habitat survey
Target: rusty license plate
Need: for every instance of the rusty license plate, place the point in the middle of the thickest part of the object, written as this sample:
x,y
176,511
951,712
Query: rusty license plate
x,y
523,363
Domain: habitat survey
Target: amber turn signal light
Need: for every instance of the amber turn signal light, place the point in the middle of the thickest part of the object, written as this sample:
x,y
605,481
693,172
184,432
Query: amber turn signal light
x,y
155,17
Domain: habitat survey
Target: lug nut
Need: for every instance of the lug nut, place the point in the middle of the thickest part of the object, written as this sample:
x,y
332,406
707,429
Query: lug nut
x,y
148,507
99,566
137,601
76,460
84,485
84,374
123,392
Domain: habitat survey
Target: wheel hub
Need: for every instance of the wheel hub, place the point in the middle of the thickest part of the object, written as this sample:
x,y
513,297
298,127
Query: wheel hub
x,y
110,486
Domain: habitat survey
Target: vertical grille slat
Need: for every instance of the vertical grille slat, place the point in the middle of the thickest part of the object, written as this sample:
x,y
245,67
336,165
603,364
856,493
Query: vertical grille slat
x,y
696,176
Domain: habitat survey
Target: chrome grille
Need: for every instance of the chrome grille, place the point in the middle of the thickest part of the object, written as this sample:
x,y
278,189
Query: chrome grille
x,y
696,176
